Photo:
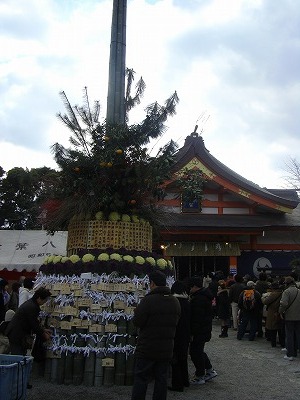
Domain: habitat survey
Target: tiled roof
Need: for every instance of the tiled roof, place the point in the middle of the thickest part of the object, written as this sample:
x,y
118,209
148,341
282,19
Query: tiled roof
x,y
194,147
205,221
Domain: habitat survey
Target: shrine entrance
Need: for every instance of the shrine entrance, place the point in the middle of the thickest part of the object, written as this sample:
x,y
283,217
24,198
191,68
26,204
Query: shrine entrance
x,y
202,265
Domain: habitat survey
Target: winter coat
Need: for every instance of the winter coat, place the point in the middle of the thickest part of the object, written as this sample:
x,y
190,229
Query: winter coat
x,y
156,316
13,303
257,306
182,335
272,301
234,291
223,304
201,314
24,322
288,306
213,287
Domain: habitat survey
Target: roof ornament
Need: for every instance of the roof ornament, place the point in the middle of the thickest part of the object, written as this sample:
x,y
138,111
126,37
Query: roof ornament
x,y
195,133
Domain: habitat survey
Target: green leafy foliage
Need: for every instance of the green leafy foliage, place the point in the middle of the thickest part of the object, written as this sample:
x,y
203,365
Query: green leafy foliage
x,y
108,166
22,192
191,182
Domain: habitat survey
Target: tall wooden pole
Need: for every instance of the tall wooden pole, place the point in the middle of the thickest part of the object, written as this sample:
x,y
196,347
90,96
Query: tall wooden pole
x,y
116,83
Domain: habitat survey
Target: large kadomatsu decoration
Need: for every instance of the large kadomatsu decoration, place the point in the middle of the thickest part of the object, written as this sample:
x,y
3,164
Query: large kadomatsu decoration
x,y
90,312
106,198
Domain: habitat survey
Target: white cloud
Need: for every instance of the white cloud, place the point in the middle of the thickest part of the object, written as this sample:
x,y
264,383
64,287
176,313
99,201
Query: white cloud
x,y
236,62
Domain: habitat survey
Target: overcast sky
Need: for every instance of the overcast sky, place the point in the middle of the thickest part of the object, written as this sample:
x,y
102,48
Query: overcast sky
x,y
235,65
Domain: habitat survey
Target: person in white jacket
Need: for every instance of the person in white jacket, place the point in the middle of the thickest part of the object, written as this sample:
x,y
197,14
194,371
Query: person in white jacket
x,y
26,291
290,309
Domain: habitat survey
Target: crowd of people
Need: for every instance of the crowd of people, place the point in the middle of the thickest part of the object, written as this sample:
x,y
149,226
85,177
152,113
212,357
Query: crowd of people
x,y
173,322
270,302
267,308
176,322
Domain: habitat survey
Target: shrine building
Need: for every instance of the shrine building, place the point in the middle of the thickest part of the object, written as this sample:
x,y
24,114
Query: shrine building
x,y
236,227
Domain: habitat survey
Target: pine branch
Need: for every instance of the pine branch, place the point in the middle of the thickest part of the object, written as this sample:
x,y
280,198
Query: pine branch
x,y
87,103
72,116
96,111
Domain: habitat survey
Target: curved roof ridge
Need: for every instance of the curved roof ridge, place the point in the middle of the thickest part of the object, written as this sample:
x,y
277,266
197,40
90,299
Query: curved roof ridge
x,y
194,147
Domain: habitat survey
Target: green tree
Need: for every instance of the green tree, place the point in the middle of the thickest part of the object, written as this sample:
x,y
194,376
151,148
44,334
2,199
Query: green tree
x,y
22,192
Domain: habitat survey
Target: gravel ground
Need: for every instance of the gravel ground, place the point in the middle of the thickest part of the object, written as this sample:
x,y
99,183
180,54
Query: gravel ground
x,y
246,370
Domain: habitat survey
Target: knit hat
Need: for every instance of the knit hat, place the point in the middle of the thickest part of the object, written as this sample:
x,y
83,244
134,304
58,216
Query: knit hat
x,y
250,284
178,288
158,278
8,315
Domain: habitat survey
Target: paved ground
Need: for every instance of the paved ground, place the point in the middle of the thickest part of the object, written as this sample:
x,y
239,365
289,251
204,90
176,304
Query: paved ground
x,y
246,370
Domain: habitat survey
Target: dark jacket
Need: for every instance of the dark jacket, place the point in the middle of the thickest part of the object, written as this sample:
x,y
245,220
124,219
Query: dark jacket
x,y
182,335
223,304
235,291
201,314
24,322
13,303
257,306
156,316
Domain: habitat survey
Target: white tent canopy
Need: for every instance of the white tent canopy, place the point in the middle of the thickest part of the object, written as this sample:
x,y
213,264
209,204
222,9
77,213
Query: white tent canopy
x,y
27,250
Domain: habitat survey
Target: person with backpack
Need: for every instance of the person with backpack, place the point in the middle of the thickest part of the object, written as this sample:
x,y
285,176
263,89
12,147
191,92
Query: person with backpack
x,y
249,305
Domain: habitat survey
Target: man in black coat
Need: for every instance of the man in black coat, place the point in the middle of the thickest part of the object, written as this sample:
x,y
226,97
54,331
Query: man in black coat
x,y
156,316
180,374
25,322
201,327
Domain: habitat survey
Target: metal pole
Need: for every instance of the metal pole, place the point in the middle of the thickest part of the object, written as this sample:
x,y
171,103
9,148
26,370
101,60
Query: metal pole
x,y
115,112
